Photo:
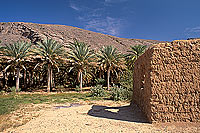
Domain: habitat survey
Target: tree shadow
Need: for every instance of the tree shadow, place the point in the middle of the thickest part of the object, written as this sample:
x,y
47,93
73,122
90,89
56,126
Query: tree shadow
x,y
130,113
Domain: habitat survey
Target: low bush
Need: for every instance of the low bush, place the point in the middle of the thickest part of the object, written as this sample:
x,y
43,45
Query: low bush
x,y
13,90
98,91
120,93
100,81
77,89
2,92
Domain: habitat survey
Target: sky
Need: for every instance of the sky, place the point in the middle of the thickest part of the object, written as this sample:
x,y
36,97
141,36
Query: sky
x,y
164,20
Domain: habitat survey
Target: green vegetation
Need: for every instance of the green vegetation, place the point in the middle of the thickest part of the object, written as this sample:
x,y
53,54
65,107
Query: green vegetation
x,y
120,93
80,56
100,81
133,54
47,65
9,103
16,53
98,91
110,58
51,51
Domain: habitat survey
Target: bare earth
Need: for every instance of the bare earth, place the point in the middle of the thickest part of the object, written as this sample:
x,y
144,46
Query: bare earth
x,y
97,117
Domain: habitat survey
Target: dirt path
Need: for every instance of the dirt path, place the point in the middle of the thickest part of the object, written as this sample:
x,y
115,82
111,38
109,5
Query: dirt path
x,y
96,118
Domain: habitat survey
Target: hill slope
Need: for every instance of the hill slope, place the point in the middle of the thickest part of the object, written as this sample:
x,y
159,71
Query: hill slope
x,y
14,31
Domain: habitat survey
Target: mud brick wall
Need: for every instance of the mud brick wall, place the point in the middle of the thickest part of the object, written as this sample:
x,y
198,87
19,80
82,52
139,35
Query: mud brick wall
x,y
167,82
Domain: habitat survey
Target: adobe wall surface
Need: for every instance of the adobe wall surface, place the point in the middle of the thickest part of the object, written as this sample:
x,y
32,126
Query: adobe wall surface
x,y
142,83
167,82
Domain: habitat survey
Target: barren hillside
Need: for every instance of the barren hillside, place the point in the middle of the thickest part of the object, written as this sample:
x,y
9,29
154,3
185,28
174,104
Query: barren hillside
x,y
14,31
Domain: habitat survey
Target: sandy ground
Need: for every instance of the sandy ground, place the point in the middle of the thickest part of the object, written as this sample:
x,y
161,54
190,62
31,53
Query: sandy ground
x,y
100,117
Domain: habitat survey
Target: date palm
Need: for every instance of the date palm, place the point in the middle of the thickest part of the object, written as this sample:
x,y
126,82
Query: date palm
x,y
51,51
81,56
133,54
16,54
110,58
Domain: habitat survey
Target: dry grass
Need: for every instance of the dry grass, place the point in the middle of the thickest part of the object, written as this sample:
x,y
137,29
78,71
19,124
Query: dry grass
x,y
21,116
18,109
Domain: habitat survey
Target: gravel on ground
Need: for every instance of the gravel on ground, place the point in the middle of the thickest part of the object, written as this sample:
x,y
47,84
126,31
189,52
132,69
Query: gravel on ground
x,y
97,117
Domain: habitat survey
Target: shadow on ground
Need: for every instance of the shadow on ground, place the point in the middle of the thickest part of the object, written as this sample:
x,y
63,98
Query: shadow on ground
x,y
129,113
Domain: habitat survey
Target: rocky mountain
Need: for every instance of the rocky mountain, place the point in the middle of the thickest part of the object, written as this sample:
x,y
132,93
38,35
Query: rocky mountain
x,y
14,31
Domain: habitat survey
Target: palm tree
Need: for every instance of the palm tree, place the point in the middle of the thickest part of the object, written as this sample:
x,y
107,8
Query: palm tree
x,y
110,58
51,52
133,54
80,56
16,54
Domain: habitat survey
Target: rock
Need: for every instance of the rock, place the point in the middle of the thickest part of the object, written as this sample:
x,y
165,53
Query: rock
x,y
14,31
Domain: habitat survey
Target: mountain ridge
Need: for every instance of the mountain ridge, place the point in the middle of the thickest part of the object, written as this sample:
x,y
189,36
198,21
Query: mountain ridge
x,y
33,32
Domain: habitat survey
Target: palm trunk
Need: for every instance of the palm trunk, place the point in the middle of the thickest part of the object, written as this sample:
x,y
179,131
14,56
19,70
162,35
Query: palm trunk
x,y
81,80
25,79
78,77
29,78
36,79
39,80
6,80
49,78
100,73
17,80
108,78
32,79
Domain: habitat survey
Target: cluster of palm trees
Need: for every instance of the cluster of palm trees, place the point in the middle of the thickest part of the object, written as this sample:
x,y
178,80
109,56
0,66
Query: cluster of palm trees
x,y
78,56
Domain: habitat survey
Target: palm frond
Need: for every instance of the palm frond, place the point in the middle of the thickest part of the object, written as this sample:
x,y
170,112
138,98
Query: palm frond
x,y
133,54
49,50
109,56
16,52
80,53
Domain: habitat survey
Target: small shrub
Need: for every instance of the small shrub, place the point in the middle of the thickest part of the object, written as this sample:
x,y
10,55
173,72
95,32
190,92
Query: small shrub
x,y
98,91
100,81
13,90
16,97
2,92
120,93
77,88
60,86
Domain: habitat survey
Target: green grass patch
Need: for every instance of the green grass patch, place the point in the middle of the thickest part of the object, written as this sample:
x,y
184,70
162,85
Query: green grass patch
x,y
10,102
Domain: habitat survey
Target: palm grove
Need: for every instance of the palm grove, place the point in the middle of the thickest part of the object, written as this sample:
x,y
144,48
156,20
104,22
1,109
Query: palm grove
x,y
50,65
